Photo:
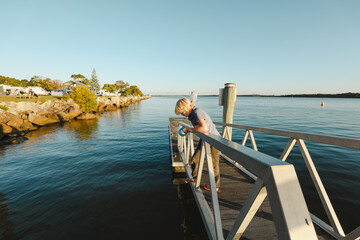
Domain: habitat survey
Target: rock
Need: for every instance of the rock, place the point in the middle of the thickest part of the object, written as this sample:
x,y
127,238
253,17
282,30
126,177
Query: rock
x,y
6,116
5,129
26,116
110,107
101,106
88,116
9,131
41,120
67,115
72,112
15,123
28,107
28,126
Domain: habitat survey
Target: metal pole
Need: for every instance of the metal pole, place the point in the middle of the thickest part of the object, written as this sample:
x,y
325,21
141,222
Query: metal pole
x,y
229,100
193,97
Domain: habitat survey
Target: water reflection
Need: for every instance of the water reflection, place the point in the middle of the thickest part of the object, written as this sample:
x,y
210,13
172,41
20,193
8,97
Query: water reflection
x,y
192,224
41,132
83,129
6,226
30,139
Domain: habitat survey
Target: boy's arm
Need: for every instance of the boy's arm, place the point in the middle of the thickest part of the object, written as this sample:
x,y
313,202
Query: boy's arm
x,y
201,127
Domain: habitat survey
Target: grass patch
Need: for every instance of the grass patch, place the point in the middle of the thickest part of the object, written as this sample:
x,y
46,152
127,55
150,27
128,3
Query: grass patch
x,y
4,107
9,98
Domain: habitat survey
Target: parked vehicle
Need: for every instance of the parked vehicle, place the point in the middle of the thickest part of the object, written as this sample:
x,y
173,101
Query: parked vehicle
x,y
60,92
105,93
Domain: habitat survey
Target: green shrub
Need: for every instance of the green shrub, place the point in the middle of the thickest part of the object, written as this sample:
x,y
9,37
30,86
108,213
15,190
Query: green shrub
x,y
4,107
84,97
65,97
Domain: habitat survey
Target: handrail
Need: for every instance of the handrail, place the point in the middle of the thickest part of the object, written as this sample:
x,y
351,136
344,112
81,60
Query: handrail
x,y
275,179
296,137
336,141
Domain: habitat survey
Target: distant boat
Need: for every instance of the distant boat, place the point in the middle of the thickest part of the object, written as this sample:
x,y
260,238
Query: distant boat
x,y
322,104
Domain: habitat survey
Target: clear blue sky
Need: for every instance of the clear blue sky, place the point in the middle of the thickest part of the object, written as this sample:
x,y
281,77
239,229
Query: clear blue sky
x,y
175,47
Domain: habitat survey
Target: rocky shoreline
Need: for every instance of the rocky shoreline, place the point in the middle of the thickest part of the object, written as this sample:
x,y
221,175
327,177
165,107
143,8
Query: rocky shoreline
x,y
22,117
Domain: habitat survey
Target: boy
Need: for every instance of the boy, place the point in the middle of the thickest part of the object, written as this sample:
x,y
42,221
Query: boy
x,y
201,122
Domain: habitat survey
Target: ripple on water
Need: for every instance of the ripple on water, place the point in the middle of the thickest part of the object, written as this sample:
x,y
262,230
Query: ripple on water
x,y
109,177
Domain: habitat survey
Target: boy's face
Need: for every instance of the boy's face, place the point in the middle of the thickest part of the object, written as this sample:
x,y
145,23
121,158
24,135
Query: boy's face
x,y
186,113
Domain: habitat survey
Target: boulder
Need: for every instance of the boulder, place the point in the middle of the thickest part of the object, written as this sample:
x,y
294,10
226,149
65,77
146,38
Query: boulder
x,y
27,107
5,129
28,126
6,116
41,120
101,106
110,107
15,123
25,116
72,112
88,116
9,131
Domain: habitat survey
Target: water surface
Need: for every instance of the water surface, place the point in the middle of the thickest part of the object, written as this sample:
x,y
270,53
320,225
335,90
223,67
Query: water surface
x,y
111,178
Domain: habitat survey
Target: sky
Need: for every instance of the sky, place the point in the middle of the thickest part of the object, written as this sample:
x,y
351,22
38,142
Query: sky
x,y
174,47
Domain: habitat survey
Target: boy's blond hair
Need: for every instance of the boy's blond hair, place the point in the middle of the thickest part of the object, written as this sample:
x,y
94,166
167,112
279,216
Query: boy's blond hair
x,y
183,105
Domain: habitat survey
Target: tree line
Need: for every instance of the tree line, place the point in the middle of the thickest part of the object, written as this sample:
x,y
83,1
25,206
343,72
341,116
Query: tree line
x,y
121,87
46,83
321,95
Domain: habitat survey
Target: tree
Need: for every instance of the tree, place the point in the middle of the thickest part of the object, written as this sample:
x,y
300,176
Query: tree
x,y
124,88
10,81
84,97
95,80
24,83
121,86
110,88
42,82
77,77
87,82
56,84
135,91
132,90
82,79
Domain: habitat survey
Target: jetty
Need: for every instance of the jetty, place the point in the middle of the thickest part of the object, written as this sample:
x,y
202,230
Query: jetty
x,y
260,196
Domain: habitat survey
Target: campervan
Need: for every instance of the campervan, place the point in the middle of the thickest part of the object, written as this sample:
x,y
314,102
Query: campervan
x,y
37,90
3,89
104,93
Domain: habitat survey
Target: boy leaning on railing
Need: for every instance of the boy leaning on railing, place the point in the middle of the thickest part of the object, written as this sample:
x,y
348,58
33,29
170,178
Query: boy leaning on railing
x,y
202,123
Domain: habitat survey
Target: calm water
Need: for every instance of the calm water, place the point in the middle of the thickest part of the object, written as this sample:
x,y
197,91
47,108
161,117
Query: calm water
x,y
111,179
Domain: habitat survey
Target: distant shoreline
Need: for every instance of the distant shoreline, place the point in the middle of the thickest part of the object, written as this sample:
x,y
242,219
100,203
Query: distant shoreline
x,y
318,95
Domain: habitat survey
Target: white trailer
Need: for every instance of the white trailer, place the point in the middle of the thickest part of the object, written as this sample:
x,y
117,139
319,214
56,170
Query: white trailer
x,y
37,90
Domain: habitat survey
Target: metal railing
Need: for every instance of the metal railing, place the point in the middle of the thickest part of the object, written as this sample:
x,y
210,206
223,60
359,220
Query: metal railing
x,y
275,179
295,137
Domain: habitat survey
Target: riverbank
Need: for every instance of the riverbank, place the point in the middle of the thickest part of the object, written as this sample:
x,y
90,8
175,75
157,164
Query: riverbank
x,y
22,117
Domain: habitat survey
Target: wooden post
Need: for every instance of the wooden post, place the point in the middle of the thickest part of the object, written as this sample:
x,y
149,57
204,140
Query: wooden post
x,y
229,100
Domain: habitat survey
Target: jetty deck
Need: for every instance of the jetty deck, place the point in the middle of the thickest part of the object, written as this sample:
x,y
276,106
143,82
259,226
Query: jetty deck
x,y
235,189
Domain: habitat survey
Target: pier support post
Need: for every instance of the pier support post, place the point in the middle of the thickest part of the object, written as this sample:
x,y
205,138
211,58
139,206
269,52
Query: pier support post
x,y
228,101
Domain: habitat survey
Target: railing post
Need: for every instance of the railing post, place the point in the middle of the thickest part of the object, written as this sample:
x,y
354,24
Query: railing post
x,y
214,197
290,213
330,212
228,101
